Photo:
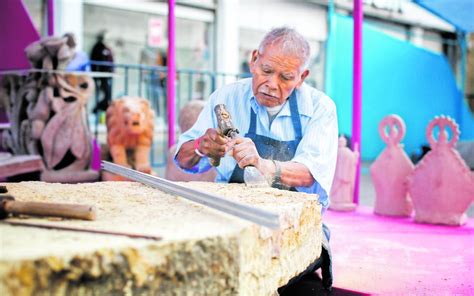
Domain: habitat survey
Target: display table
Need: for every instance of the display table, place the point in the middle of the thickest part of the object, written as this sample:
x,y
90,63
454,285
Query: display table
x,y
12,165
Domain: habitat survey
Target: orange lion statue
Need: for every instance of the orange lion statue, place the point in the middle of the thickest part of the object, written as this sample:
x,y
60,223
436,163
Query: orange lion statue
x,y
130,122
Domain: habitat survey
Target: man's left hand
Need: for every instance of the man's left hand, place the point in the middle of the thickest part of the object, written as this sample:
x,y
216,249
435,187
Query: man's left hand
x,y
245,153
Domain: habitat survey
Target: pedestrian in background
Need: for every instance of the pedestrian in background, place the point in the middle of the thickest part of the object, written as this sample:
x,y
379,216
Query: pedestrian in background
x,y
102,53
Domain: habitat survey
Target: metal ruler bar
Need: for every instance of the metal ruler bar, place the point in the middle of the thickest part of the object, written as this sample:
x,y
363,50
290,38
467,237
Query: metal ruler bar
x,y
243,211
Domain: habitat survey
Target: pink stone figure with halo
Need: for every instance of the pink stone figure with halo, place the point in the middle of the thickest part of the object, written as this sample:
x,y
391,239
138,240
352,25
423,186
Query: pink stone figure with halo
x,y
342,189
442,186
390,170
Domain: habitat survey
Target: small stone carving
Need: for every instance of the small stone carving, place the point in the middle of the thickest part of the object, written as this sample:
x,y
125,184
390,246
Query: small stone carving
x,y
130,122
342,189
442,186
47,112
391,169
66,131
49,53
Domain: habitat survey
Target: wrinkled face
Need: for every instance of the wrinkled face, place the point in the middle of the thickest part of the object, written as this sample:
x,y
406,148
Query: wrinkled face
x,y
275,75
134,119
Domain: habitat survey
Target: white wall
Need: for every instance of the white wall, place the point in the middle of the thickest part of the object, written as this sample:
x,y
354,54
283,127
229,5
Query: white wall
x,y
400,11
127,34
68,18
228,36
263,15
258,17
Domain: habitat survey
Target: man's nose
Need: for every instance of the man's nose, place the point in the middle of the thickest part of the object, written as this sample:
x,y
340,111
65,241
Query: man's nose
x,y
272,82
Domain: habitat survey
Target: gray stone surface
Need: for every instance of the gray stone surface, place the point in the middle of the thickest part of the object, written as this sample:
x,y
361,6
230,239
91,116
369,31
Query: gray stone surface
x,y
202,251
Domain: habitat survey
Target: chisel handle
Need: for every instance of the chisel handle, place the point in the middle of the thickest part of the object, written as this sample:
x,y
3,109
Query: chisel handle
x,y
72,211
225,127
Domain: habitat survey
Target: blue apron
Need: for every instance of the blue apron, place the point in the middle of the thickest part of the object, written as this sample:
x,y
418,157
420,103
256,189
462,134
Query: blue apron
x,y
269,148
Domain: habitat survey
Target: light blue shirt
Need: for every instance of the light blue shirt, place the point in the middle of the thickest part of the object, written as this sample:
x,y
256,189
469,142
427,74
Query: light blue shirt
x,y
317,150
80,62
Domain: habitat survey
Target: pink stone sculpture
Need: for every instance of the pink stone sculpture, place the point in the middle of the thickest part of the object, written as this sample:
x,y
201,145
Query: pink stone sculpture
x,y
48,113
390,170
442,186
342,189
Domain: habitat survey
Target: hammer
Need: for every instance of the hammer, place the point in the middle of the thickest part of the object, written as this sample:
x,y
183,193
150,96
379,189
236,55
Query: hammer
x,y
8,205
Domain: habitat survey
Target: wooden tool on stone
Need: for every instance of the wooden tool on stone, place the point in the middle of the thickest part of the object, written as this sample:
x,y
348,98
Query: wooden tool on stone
x,y
8,205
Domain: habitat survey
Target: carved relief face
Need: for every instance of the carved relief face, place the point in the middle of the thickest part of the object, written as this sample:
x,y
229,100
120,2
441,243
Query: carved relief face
x,y
83,84
72,90
134,119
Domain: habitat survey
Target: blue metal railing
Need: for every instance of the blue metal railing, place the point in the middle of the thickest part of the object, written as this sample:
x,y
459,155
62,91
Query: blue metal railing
x,y
149,82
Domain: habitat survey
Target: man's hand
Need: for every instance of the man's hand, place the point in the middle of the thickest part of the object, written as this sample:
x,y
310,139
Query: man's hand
x,y
245,153
214,145
211,144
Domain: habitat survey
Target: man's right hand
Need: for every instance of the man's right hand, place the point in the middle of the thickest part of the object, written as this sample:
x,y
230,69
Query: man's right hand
x,y
211,144
214,145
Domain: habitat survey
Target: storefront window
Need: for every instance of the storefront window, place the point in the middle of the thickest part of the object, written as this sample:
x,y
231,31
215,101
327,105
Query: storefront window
x,y
137,37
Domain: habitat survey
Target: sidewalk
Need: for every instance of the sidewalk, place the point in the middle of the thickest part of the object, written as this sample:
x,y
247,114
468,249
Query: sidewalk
x,y
395,256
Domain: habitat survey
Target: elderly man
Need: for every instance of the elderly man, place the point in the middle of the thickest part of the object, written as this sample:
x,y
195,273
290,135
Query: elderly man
x,y
290,128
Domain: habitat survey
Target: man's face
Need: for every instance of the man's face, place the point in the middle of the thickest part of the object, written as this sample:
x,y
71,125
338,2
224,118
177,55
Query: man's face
x,y
275,75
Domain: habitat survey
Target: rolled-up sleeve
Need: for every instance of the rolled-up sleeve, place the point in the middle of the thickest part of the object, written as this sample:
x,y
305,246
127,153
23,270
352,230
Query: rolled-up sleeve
x,y
204,121
318,150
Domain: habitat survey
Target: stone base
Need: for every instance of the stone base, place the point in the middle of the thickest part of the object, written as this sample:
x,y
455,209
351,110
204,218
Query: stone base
x,y
342,207
394,213
12,165
455,219
202,251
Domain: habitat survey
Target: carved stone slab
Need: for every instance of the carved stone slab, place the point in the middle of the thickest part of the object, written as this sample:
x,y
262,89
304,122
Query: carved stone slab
x,y
342,189
442,186
201,251
47,113
390,170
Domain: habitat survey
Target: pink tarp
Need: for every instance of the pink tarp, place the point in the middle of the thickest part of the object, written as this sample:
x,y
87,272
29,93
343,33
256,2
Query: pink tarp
x,y
383,255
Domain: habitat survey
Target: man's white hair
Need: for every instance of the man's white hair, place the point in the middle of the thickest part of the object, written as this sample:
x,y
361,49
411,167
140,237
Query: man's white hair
x,y
290,42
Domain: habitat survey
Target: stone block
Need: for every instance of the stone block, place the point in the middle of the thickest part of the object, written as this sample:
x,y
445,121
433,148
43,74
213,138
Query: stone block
x,y
201,251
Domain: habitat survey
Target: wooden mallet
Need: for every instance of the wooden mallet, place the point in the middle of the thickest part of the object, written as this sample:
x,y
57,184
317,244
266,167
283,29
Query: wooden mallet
x,y
8,205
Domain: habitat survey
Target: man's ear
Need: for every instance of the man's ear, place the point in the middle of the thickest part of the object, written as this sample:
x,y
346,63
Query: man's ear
x,y
253,60
303,77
